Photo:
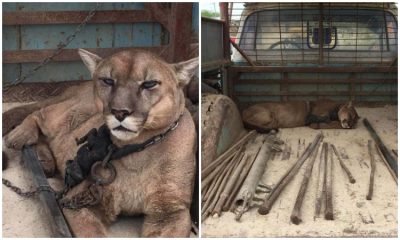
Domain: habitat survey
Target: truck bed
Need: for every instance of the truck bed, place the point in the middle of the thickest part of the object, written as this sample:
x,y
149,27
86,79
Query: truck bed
x,y
354,216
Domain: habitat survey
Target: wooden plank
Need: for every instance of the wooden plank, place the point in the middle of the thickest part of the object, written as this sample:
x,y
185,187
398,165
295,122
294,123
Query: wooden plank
x,y
30,56
314,81
76,17
266,69
315,93
56,219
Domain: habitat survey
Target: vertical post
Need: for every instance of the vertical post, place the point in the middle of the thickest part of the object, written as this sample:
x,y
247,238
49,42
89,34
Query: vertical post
x,y
321,34
232,77
180,28
223,7
284,86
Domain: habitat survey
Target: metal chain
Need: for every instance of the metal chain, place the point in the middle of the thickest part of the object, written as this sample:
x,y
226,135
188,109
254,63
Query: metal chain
x,y
87,198
93,194
60,48
28,194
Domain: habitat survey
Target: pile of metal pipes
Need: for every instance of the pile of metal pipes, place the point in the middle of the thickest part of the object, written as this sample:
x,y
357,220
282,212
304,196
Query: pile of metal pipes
x,y
241,165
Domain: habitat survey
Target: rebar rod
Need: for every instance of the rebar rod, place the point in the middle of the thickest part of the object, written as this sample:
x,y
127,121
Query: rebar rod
x,y
266,206
296,213
222,157
344,167
321,181
328,185
372,174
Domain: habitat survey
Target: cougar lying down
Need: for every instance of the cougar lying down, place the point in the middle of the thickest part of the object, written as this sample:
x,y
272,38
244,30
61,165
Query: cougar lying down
x,y
138,96
315,114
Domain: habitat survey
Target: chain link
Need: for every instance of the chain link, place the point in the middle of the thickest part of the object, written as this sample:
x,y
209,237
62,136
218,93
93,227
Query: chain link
x,y
87,198
90,197
28,194
60,48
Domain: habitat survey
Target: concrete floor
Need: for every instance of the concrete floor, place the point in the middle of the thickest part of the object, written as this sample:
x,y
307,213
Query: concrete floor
x,y
354,215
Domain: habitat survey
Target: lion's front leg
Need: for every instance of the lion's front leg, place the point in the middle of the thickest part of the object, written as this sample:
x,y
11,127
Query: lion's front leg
x,y
167,223
85,224
27,133
331,125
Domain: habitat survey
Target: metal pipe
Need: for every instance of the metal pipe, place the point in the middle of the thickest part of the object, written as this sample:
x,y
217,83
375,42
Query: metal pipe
x,y
227,153
328,185
296,213
266,206
372,174
321,181
387,157
248,188
344,167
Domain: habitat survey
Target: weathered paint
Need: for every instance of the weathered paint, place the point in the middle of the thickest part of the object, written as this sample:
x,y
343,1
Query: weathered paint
x,y
328,87
35,37
60,6
212,42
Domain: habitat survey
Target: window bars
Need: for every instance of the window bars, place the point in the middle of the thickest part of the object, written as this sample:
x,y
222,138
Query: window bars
x,y
287,34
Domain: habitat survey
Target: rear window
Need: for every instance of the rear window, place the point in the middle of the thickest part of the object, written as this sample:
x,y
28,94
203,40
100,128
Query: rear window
x,y
293,36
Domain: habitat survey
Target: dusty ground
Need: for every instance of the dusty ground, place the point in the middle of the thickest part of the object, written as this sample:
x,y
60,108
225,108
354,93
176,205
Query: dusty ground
x,y
24,217
354,215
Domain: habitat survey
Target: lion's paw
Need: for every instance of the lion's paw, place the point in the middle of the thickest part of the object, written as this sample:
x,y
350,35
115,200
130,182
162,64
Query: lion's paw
x,y
21,136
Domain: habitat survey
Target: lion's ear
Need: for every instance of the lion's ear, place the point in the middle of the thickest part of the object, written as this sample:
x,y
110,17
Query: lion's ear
x,y
186,70
89,59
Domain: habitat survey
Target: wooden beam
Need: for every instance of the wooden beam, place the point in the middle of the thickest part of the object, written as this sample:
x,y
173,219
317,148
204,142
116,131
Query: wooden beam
x,y
317,93
266,69
76,17
314,81
67,55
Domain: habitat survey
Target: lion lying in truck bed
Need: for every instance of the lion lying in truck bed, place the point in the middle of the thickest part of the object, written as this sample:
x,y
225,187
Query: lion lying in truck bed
x,y
315,114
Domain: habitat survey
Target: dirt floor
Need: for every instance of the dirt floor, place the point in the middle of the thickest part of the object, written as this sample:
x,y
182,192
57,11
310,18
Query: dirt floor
x,y
24,217
354,216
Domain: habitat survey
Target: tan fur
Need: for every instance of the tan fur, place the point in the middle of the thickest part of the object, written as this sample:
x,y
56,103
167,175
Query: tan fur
x,y
275,115
157,181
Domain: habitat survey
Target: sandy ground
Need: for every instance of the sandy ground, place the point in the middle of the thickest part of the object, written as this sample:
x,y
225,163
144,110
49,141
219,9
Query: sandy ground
x,y
24,217
354,215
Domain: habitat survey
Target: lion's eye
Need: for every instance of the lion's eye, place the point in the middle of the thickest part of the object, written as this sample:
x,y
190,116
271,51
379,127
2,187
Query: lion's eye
x,y
149,84
108,81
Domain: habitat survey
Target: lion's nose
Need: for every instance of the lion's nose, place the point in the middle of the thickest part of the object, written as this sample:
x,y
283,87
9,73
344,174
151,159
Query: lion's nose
x,y
120,114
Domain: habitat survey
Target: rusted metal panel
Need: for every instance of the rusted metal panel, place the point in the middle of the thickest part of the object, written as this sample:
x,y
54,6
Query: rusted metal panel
x,y
29,56
143,25
180,31
308,85
266,69
71,6
316,93
55,71
10,38
76,17
313,81
195,20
